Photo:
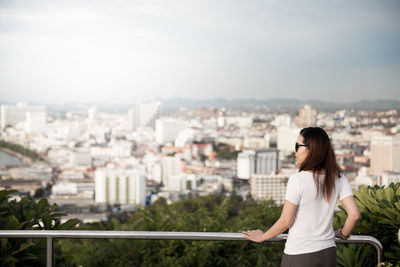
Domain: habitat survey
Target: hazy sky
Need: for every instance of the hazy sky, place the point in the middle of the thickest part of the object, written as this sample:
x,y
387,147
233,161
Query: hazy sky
x,y
128,51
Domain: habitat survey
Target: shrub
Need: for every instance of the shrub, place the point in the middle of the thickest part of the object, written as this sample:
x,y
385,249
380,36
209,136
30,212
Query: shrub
x,y
27,214
380,218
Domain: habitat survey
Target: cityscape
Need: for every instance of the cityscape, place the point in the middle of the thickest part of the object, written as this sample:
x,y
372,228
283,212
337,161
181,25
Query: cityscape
x,y
92,162
138,120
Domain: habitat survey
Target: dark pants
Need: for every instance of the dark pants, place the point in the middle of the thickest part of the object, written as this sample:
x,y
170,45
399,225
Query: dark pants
x,y
322,258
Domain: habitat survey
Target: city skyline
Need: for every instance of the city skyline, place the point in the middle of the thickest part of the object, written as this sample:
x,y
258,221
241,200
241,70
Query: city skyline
x,y
136,51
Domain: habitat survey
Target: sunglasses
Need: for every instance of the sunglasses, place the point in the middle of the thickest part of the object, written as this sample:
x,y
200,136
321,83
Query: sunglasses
x,y
296,147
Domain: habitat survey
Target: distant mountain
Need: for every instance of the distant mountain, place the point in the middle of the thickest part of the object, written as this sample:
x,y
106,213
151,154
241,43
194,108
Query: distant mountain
x,y
278,104
379,104
275,104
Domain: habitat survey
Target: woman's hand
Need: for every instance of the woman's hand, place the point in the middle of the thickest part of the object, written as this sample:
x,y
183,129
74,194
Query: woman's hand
x,y
253,235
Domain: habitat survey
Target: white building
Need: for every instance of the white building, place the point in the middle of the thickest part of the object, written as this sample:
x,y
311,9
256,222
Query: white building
x,y
251,162
283,120
211,184
389,177
71,175
269,186
81,158
286,139
170,166
221,121
185,138
240,121
307,117
167,130
75,191
363,178
385,154
117,149
267,161
35,122
120,186
64,188
155,172
13,115
181,182
144,115
93,115
254,142
246,164
153,167
64,130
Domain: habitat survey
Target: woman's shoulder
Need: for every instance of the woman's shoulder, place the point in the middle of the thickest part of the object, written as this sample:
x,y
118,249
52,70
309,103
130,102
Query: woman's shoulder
x,y
341,178
301,174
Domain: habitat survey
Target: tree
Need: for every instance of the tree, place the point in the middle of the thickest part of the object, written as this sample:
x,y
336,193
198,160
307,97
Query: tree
x,y
201,214
27,214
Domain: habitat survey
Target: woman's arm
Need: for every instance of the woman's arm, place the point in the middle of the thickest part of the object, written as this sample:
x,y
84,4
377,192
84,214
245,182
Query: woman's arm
x,y
353,215
283,223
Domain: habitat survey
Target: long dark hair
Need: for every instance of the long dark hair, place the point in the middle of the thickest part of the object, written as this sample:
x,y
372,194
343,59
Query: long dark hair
x,y
320,157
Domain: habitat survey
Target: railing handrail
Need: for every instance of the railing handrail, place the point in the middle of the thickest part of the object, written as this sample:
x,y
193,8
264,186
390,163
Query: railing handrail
x,y
210,236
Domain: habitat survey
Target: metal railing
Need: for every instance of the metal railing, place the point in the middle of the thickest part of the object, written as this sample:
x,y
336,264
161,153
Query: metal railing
x,y
210,236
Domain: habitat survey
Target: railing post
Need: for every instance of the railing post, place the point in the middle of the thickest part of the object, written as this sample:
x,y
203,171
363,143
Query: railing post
x,y
49,252
379,252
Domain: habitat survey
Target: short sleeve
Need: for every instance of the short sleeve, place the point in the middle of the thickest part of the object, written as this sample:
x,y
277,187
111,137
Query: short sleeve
x,y
293,190
345,188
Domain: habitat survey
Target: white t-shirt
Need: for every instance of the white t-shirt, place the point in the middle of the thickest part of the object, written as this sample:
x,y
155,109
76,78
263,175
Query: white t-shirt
x,y
312,228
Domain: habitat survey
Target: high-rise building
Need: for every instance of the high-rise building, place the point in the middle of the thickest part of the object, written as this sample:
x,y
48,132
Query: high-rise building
x,y
252,162
269,186
120,186
35,122
170,166
307,117
93,114
385,154
144,115
286,139
13,115
246,164
267,161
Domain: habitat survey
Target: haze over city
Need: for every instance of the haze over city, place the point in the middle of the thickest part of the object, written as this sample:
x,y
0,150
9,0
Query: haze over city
x,y
134,51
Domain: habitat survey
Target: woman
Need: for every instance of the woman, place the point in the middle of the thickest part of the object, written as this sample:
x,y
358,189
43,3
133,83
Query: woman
x,y
310,200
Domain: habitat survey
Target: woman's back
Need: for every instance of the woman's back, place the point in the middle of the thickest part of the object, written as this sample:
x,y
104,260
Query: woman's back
x,y
312,228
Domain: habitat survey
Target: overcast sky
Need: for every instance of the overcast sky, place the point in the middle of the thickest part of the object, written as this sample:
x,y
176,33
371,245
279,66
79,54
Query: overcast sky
x,y
128,51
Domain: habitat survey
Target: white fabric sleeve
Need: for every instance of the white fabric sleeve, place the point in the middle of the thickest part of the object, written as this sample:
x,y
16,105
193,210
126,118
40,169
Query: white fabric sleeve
x,y
293,190
345,188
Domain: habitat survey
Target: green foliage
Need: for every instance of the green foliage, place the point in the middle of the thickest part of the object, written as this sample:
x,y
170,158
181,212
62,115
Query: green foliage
x,y
27,214
354,255
227,153
387,264
380,218
201,214
39,193
19,150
